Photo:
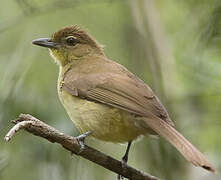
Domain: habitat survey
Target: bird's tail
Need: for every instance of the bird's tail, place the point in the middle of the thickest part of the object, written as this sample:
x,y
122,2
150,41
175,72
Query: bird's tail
x,y
191,153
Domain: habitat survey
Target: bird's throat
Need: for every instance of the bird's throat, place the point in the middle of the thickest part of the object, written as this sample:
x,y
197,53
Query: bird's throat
x,y
60,58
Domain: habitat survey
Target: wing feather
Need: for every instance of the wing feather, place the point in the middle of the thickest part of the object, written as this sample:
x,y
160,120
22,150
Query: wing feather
x,y
125,91
121,89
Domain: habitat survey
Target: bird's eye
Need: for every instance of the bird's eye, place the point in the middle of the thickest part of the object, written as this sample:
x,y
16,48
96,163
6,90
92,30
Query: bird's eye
x,y
71,41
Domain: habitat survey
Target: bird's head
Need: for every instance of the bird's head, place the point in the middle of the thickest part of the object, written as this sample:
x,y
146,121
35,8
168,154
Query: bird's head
x,y
70,44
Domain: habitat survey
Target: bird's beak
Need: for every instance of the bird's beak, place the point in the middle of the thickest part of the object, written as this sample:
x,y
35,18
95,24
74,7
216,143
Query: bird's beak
x,y
45,42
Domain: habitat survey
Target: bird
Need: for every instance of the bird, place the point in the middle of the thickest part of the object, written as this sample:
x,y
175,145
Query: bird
x,y
105,100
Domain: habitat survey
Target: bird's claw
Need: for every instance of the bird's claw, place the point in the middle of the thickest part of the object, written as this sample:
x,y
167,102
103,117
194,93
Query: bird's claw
x,y
124,165
81,139
124,162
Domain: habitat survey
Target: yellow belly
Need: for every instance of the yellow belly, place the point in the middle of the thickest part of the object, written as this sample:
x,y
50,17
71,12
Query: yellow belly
x,y
106,123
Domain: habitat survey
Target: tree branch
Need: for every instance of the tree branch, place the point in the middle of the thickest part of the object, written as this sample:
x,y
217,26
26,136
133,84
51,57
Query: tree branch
x,y
39,128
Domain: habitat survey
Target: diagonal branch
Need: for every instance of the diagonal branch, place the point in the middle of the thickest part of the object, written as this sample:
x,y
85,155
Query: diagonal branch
x,y
39,128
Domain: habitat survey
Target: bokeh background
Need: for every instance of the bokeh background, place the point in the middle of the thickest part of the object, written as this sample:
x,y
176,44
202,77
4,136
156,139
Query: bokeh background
x,y
175,46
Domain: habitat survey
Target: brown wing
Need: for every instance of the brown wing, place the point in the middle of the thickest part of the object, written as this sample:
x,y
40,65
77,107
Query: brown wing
x,y
119,88
124,91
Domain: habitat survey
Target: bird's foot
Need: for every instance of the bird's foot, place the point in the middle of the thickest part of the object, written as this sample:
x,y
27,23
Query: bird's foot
x,y
81,139
124,160
123,164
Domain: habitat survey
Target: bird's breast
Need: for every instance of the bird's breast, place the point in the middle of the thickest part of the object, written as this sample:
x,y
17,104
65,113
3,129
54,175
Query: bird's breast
x,y
106,123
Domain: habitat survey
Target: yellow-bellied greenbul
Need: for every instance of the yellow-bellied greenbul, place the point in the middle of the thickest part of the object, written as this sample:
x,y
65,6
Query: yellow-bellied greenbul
x,y
104,98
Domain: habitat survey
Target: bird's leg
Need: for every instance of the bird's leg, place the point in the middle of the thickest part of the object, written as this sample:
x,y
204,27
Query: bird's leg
x,y
125,159
81,139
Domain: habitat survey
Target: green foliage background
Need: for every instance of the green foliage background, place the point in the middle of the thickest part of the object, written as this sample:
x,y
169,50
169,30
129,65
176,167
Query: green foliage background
x,y
182,64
